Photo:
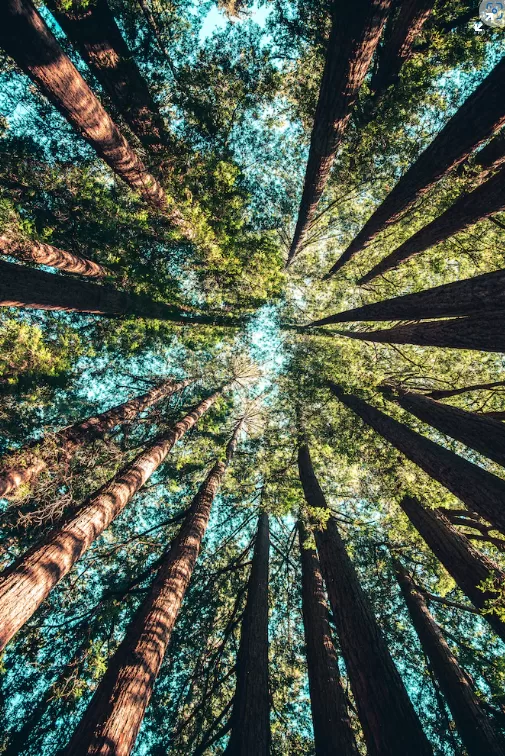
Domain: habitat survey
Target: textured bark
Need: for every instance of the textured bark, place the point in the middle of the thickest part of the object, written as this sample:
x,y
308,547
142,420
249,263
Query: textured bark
x,y
25,585
389,722
470,208
355,33
447,393
36,455
250,718
476,121
478,489
46,254
332,728
112,720
476,732
466,565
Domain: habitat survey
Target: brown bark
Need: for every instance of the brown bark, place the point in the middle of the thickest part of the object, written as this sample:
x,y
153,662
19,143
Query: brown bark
x,y
476,121
332,728
469,567
447,393
250,718
470,208
112,720
37,454
355,33
389,722
478,489
476,732
25,585
46,254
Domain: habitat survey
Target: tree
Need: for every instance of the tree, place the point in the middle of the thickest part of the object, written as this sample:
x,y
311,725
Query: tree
x,y
46,254
447,393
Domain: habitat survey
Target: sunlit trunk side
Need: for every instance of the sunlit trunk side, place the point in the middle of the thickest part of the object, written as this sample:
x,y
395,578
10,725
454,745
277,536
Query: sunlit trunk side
x,y
390,724
332,728
250,718
475,729
53,257
355,32
25,585
478,489
35,455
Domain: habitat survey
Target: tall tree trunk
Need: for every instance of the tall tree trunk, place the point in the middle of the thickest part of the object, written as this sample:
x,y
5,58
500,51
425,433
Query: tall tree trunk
x,y
476,732
389,722
46,254
35,456
477,120
447,393
485,435
355,33
25,585
250,718
489,158
332,728
470,208
21,286
469,568
112,720
478,489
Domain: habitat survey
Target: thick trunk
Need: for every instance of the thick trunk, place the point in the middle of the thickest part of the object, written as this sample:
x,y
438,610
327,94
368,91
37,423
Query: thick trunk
x,y
466,565
472,724
447,393
332,728
488,198
478,489
112,720
250,718
46,254
389,722
477,120
355,33
66,441
25,585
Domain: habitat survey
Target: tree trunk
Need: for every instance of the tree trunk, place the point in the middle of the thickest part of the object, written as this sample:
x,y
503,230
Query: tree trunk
x,y
46,254
447,393
477,120
355,33
250,718
25,584
476,732
389,722
470,208
35,289
489,158
332,728
478,489
467,566
66,441
112,720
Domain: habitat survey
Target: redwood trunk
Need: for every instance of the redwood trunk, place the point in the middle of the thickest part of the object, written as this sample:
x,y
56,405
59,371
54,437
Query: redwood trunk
x,y
25,585
250,718
332,728
45,254
476,732
491,157
476,121
355,33
389,722
469,567
478,489
36,454
447,393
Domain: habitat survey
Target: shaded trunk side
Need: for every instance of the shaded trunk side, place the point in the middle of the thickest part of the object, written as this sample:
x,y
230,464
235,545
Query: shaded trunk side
x,y
46,254
446,393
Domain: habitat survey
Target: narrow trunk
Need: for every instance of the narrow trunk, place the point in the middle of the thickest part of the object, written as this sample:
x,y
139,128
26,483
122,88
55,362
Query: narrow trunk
x,y
469,568
476,732
389,722
66,441
112,720
477,120
46,254
355,33
478,489
488,198
250,718
332,728
25,585
447,393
